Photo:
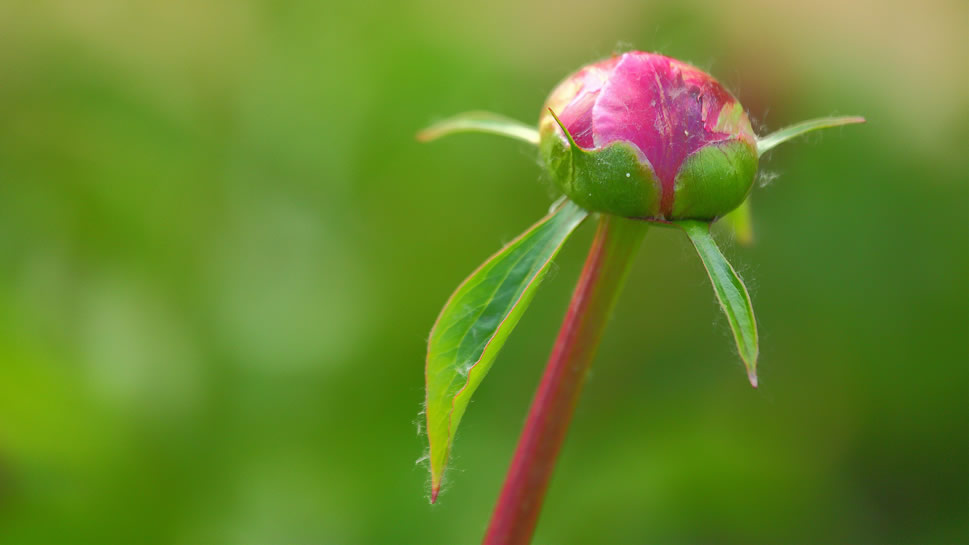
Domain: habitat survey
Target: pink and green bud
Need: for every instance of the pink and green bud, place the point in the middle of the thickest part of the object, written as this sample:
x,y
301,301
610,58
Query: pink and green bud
x,y
646,136
639,136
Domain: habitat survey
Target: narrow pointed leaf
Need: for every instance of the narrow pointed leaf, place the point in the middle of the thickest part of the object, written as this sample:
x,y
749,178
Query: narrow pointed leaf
x,y
739,222
787,133
486,122
730,291
477,319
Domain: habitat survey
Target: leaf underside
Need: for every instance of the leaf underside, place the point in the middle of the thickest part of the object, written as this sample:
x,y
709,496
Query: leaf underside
x,y
485,122
730,291
740,224
475,322
778,137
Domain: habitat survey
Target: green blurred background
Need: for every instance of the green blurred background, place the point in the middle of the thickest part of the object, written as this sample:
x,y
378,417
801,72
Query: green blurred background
x,y
221,251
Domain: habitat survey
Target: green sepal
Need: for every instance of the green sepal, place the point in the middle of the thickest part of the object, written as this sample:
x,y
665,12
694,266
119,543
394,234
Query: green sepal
x,y
485,122
714,180
730,291
615,179
476,320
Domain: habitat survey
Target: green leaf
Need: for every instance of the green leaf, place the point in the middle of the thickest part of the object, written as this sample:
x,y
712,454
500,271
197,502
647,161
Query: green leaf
x,y
739,223
730,291
480,122
770,141
477,319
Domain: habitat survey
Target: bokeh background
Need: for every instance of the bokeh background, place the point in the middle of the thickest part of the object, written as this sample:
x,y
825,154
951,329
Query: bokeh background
x,y
221,251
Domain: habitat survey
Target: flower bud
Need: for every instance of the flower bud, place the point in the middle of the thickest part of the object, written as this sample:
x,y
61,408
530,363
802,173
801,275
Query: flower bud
x,y
646,136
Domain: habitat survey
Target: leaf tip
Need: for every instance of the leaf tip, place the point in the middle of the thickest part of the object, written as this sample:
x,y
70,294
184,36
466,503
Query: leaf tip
x,y
752,377
437,479
565,130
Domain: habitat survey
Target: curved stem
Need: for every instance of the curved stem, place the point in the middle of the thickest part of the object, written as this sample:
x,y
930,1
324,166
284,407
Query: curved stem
x,y
603,275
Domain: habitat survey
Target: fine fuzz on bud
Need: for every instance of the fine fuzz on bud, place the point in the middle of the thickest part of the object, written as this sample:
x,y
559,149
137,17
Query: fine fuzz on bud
x,y
646,136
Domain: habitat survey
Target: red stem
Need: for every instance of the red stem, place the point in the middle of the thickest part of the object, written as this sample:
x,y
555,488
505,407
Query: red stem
x,y
603,275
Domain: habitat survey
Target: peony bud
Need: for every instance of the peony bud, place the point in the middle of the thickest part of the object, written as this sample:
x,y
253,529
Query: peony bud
x,y
638,135
646,136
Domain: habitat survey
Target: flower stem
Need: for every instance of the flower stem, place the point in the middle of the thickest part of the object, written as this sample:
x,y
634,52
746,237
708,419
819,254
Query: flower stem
x,y
603,275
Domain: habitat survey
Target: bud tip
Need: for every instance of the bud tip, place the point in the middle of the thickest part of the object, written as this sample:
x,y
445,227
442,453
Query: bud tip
x,y
752,377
